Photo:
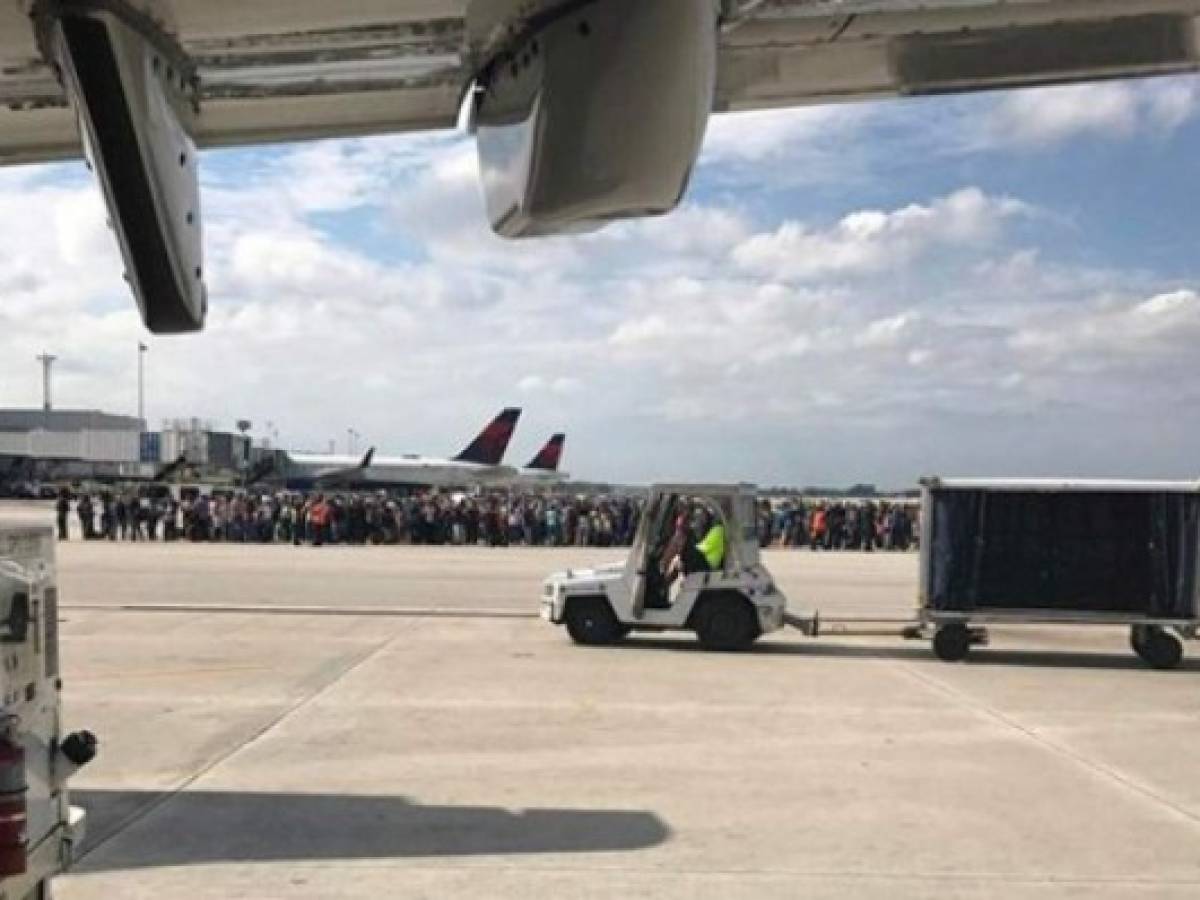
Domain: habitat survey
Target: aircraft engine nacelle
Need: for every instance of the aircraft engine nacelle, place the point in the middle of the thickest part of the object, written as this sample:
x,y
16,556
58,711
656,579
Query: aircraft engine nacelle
x,y
594,111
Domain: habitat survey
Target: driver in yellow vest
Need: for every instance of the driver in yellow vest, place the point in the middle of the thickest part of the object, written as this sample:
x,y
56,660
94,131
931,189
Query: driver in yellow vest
x,y
712,547
706,556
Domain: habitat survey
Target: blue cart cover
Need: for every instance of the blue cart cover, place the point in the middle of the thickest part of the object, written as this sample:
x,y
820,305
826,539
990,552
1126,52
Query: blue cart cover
x,y
1067,551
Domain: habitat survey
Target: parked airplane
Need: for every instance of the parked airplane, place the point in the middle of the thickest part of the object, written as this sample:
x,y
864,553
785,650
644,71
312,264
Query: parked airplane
x,y
543,468
549,87
481,463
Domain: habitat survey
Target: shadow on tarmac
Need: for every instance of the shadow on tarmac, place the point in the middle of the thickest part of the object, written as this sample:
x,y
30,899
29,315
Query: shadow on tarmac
x,y
198,827
920,652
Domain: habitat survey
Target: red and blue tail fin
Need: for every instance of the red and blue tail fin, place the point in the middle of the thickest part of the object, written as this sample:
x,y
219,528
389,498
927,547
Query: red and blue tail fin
x,y
488,449
549,456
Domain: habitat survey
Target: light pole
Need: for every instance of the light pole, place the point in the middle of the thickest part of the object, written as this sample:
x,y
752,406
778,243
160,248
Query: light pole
x,y
142,348
47,361
244,426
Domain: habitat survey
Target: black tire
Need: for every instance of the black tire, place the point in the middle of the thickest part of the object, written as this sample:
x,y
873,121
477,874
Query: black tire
x,y
590,621
952,643
1137,637
726,622
1157,647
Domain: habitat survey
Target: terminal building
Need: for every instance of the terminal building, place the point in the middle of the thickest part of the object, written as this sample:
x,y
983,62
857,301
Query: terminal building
x,y
200,444
37,444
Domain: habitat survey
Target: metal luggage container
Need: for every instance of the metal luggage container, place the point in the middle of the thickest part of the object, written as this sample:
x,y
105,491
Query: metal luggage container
x,y
1050,551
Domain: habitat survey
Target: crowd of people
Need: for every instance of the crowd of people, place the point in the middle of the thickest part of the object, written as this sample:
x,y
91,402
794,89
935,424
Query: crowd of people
x,y
840,525
491,519
498,519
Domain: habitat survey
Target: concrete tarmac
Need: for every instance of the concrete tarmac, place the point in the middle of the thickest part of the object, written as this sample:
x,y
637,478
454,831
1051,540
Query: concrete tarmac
x,y
260,754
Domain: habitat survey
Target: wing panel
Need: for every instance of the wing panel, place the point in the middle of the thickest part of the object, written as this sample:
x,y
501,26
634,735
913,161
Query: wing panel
x,y
205,19
17,43
791,54
235,121
277,70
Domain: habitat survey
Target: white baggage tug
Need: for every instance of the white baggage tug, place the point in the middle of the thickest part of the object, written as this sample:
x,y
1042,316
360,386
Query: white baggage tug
x,y
39,829
729,604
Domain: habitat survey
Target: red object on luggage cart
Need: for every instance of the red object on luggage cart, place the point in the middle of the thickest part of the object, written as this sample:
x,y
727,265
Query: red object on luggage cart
x,y
14,813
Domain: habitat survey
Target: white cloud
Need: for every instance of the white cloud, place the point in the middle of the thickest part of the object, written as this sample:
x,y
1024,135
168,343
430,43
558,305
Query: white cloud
x,y
1040,117
1107,335
761,136
1048,115
1172,102
889,332
563,385
871,241
531,383
641,331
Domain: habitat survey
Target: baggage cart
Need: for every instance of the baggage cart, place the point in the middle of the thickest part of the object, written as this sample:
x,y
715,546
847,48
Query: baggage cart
x,y
1061,551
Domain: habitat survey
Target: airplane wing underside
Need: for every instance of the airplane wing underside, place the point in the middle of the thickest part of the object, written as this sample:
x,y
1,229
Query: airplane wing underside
x,y
584,111
276,70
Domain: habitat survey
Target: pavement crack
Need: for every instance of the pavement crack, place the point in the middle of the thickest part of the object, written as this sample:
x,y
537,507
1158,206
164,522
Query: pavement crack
x,y
274,722
1106,772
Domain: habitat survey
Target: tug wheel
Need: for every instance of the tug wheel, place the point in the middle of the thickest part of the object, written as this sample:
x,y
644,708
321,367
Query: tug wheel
x,y
726,621
590,621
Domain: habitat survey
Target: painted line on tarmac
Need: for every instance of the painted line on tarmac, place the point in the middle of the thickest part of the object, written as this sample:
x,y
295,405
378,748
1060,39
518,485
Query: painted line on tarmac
x,y
851,626
1125,782
395,612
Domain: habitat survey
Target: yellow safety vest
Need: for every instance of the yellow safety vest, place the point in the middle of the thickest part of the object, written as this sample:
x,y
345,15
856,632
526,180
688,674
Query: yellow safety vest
x,y
713,547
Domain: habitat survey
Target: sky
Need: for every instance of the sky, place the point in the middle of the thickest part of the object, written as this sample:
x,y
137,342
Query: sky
x,y
995,284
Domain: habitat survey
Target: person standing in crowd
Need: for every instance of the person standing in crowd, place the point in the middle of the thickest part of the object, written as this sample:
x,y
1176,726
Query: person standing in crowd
x,y
108,519
318,518
202,513
87,525
299,521
121,514
155,509
133,510
583,530
817,523
170,519
62,510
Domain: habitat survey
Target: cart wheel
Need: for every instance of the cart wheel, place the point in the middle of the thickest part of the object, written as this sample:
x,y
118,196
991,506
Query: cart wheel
x,y
1156,646
591,621
1137,637
952,643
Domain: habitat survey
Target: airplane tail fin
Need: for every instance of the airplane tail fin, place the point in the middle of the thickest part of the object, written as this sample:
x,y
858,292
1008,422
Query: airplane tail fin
x,y
549,456
488,449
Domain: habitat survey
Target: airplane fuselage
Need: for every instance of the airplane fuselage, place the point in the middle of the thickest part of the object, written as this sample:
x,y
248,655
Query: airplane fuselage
x,y
384,471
